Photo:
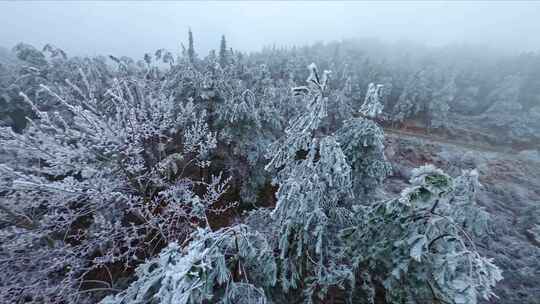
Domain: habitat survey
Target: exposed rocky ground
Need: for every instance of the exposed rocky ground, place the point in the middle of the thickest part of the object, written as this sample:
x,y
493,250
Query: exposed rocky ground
x,y
511,194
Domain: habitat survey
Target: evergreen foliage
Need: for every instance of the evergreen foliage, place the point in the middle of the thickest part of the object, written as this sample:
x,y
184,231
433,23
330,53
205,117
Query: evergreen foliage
x,y
419,246
231,265
362,141
116,163
93,180
223,57
191,48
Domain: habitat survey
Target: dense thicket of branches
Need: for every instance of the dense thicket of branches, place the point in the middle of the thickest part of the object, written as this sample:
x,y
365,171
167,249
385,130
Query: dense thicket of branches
x,y
121,165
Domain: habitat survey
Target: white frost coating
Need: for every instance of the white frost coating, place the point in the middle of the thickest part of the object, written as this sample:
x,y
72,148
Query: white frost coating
x,y
372,106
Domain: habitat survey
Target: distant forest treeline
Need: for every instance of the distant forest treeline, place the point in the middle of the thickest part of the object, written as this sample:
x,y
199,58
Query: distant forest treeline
x,y
436,87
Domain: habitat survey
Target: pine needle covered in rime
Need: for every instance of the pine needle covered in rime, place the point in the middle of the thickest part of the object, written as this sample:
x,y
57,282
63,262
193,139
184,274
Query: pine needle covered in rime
x,y
312,200
241,108
420,246
362,141
230,266
372,106
99,184
301,129
245,124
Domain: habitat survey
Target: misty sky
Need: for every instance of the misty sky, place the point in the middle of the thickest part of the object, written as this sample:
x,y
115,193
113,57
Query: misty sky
x,y
132,28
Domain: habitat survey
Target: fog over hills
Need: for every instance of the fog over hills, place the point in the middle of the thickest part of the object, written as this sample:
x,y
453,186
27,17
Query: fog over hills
x,y
132,28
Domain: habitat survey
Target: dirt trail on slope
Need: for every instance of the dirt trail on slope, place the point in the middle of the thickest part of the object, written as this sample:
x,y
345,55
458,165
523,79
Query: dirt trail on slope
x,y
480,147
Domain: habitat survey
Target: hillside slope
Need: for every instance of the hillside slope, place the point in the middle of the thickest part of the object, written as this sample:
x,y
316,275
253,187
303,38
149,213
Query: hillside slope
x,y
511,194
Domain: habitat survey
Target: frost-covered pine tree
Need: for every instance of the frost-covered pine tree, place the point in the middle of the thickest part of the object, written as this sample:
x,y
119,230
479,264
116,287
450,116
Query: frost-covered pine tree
x,y
223,52
240,127
414,97
419,247
315,189
231,266
191,48
362,141
439,107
